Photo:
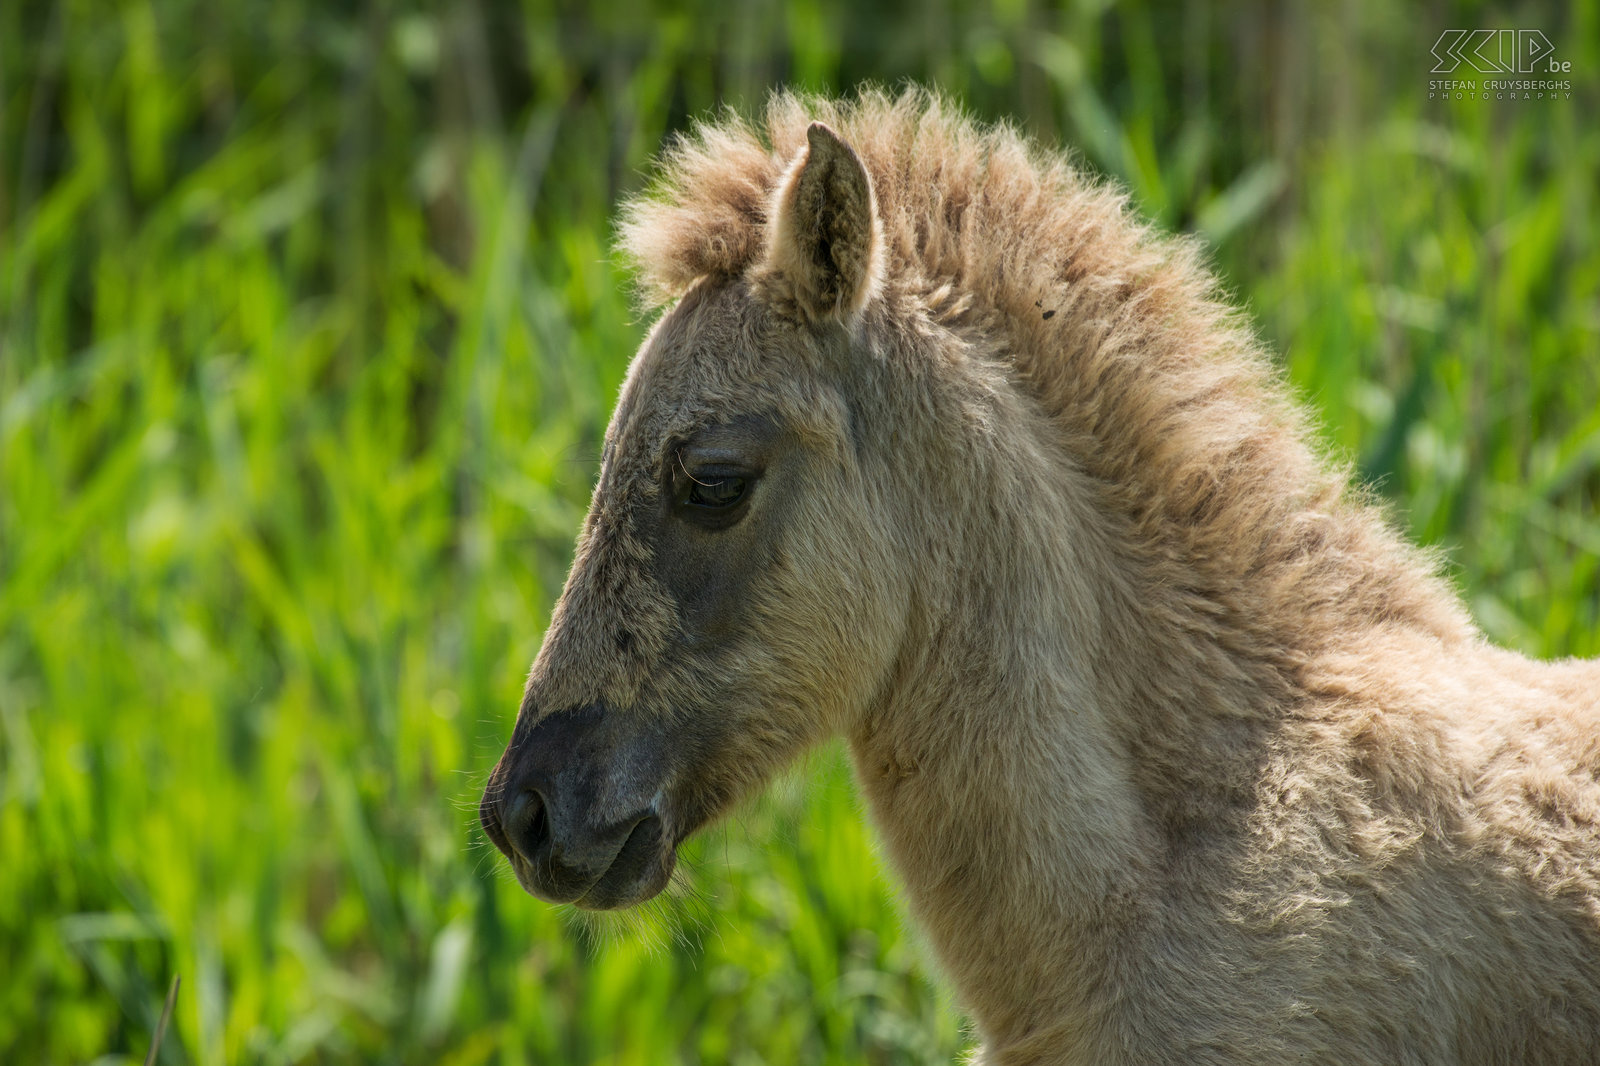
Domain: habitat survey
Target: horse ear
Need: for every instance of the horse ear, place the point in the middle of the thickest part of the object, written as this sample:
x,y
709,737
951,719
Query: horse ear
x,y
825,243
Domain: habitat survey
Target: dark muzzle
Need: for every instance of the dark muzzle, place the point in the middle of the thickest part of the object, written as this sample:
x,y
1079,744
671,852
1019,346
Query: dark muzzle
x,y
573,804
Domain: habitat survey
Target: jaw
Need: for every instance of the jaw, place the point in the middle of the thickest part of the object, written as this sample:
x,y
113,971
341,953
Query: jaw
x,y
626,886
640,869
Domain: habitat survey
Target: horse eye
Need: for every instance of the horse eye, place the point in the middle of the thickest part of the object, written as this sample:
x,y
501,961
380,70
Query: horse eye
x,y
716,494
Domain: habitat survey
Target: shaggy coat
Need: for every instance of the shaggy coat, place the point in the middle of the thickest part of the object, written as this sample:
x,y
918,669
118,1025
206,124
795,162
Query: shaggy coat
x,y
1182,755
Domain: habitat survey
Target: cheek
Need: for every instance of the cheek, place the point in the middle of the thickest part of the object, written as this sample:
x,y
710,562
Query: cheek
x,y
712,575
801,605
835,588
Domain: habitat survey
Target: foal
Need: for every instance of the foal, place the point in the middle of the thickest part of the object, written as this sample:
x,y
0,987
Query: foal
x,y
1182,755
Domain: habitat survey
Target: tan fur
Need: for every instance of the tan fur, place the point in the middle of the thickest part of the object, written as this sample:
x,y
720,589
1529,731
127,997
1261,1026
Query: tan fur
x,y
1182,754
824,249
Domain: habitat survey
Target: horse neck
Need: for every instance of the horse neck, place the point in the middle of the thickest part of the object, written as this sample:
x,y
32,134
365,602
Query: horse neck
x,y
1125,568
999,764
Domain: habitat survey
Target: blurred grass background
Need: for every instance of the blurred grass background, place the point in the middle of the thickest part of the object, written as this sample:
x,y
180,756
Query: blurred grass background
x,y
308,335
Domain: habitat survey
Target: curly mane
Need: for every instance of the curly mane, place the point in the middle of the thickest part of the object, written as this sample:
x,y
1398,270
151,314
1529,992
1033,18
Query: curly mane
x,y
1158,385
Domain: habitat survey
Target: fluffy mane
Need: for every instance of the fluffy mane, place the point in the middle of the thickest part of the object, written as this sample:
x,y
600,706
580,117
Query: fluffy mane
x,y
1158,385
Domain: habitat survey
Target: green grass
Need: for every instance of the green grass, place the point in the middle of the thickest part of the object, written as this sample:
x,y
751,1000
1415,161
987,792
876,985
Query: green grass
x,y
308,333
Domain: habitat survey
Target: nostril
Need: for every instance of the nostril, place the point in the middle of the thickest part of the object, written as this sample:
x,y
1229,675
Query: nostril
x,y
527,823
540,830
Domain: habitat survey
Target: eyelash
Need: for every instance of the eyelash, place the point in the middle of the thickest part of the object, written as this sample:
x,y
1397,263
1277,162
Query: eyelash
x,y
713,492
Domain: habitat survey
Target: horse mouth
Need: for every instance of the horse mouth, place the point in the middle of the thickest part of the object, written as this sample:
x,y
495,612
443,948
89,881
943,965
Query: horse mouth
x,y
640,869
